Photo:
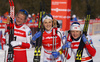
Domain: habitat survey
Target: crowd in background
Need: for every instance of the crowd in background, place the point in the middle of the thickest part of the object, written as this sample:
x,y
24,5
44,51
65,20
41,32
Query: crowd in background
x,y
32,18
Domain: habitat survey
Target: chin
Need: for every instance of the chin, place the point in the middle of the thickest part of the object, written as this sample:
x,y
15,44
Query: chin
x,y
18,23
48,29
75,37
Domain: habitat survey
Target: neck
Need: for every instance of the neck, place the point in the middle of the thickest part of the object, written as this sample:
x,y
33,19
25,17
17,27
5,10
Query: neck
x,y
49,31
76,39
18,24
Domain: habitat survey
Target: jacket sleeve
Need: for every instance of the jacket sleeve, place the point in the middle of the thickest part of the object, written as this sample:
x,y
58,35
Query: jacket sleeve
x,y
4,39
25,45
28,39
91,49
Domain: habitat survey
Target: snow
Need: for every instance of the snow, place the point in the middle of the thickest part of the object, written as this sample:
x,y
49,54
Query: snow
x,y
30,52
96,42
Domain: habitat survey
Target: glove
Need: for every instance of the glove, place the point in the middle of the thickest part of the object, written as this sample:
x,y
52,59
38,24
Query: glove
x,y
55,54
5,47
16,43
32,42
67,45
38,34
64,39
84,39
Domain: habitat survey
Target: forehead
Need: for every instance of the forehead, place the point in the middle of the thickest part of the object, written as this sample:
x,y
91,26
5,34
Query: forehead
x,y
47,20
75,31
21,15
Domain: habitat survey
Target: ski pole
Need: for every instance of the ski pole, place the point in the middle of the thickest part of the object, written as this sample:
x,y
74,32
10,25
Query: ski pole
x,y
54,34
55,43
66,49
53,49
7,39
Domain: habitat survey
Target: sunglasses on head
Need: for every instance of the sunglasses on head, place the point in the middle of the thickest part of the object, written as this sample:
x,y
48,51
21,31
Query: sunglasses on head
x,y
25,12
47,15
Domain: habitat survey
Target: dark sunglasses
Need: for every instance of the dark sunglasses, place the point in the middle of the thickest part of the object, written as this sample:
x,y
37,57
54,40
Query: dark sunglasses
x,y
47,15
25,12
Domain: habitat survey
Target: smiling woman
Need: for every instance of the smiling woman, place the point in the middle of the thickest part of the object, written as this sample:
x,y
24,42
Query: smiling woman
x,y
76,36
21,17
75,30
48,43
47,24
22,35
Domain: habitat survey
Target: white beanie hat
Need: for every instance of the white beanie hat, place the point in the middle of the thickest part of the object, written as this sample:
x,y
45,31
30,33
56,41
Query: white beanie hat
x,y
74,16
75,26
29,15
46,16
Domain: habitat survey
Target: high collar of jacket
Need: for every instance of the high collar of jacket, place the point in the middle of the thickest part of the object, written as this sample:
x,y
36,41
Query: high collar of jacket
x,y
77,38
18,26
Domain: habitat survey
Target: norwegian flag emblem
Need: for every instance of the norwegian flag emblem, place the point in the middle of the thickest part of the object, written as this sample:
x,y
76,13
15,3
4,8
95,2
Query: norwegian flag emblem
x,y
75,27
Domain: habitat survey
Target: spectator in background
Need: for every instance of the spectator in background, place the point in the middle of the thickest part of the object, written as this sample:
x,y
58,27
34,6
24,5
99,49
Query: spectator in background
x,y
33,17
37,18
6,14
5,17
29,18
0,19
74,18
98,18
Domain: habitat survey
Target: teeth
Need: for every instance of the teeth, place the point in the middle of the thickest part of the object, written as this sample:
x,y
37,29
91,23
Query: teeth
x,y
47,26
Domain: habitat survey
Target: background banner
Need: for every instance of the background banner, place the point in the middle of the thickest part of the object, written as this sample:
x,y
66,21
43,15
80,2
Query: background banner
x,y
0,39
61,10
